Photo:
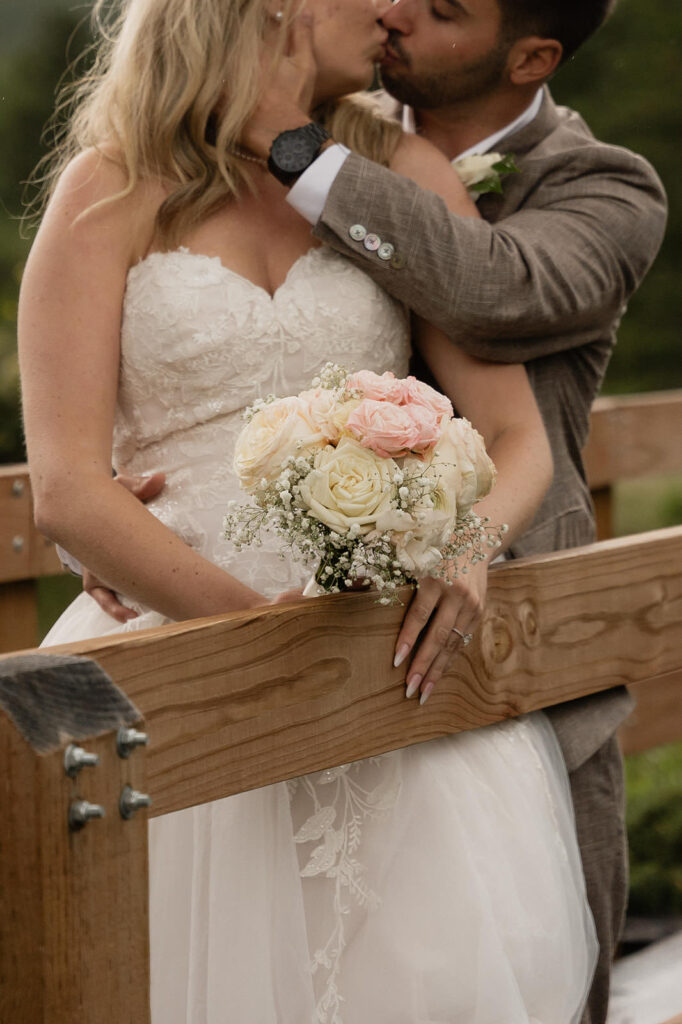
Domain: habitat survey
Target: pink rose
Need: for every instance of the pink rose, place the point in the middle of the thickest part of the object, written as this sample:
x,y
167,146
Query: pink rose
x,y
384,388
429,426
416,392
393,430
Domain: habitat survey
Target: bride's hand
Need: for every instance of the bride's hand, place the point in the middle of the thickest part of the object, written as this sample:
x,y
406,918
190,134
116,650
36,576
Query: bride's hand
x,y
436,611
287,90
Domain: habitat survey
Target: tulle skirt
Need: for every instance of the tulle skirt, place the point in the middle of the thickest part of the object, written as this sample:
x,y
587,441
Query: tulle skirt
x,y
440,883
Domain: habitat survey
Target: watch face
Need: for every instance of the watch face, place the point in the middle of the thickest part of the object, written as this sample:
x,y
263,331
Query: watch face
x,y
293,151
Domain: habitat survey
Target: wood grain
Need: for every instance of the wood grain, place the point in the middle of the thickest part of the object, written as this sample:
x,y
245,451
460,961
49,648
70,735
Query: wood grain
x,y
74,920
242,700
634,436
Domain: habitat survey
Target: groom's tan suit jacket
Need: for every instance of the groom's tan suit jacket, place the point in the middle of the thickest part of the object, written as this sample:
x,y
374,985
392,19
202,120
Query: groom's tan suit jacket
x,y
543,279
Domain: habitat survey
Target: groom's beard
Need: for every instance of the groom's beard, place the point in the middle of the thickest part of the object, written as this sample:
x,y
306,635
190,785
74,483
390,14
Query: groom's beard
x,y
428,90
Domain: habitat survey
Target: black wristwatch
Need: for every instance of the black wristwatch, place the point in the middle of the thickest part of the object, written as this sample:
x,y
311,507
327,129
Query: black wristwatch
x,y
294,150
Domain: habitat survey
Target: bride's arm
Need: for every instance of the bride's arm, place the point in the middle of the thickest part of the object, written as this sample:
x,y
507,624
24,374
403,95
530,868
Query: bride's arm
x,y
69,328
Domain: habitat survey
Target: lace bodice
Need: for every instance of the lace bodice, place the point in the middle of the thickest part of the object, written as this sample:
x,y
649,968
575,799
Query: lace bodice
x,y
199,342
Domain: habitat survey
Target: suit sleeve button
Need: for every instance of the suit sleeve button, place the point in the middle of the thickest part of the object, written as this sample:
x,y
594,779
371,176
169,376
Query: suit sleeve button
x,y
398,261
357,232
386,251
372,242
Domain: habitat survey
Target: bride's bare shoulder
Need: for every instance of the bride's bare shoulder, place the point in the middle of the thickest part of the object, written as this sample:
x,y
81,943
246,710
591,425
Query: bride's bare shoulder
x,y
93,193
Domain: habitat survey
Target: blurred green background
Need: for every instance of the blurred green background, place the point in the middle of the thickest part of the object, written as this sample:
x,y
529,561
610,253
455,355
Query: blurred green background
x,y
627,83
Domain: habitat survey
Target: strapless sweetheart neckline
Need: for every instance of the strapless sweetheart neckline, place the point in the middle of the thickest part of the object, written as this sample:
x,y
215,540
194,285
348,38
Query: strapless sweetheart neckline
x,y
216,262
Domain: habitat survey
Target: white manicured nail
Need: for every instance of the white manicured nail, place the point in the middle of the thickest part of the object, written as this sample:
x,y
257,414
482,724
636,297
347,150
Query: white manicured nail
x,y
400,655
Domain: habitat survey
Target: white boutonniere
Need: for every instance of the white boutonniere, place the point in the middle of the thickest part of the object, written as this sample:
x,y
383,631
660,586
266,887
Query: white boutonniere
x,y
483,172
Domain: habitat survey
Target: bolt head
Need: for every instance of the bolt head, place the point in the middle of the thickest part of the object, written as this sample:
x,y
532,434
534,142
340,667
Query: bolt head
x,y
131,801
81,812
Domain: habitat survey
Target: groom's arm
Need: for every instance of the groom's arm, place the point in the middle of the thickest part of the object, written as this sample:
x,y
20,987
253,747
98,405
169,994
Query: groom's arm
x,y
543,278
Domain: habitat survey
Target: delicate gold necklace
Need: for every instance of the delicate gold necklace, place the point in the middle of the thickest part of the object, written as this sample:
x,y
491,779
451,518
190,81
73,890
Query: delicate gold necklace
x,y
244,154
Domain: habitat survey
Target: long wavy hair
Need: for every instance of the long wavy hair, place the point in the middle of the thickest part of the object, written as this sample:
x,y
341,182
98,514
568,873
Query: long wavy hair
x,y
171,85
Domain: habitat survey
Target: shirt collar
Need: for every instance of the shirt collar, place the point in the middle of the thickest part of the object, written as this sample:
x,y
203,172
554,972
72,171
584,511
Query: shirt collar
x,y
485,145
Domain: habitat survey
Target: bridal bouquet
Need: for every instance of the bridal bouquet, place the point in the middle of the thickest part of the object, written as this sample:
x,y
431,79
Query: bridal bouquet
x,y
369,478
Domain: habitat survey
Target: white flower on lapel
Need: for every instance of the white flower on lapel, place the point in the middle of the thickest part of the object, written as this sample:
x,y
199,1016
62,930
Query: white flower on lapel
x,y
482,172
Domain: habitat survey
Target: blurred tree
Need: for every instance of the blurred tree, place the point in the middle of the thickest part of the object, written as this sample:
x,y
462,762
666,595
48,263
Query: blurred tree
x,y
29,76
626,82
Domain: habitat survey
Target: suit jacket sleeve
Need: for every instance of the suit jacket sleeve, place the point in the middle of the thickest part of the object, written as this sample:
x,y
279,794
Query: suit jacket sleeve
x,y
570,240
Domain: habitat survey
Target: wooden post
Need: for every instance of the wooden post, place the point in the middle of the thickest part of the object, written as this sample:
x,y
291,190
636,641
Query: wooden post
x,y
602,498
25,555
74,904
18,615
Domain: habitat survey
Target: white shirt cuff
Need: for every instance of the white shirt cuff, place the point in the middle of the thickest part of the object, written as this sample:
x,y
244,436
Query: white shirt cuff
x,y
309,194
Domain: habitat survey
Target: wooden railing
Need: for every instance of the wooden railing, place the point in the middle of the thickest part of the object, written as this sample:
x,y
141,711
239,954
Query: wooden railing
x,y
631,436
242,700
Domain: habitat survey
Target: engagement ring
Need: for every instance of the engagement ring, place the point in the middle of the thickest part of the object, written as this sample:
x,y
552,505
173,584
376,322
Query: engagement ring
x,y
466,638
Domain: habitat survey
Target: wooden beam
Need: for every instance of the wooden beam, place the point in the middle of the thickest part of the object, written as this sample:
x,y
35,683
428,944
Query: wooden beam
x,y
242,700
18,615
634,436
74,922
24,553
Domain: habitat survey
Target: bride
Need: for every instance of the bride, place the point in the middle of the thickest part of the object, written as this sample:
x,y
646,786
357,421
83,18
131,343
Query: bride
x,y
170,285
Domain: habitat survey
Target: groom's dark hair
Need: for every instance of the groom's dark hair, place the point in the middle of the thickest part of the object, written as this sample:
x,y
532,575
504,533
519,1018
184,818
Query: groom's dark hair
x,y
569,21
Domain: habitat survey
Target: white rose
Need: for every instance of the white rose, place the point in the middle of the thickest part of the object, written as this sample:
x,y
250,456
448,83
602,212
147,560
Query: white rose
x,y
477,167
326,411
464,471
416,557
348,486
395,520
277,430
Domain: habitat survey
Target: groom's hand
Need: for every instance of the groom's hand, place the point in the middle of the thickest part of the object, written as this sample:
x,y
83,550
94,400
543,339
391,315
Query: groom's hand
x,y
145,488
287,89
436,612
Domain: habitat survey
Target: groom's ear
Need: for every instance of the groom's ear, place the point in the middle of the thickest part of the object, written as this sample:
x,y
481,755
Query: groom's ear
x,y
532,60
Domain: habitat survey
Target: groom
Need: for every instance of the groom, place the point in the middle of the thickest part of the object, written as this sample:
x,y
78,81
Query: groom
x,y
543,279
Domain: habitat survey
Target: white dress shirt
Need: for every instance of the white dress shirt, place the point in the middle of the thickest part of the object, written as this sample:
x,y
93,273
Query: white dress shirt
x,y
309,194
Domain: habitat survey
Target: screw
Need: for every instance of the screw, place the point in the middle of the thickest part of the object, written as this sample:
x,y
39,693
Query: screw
x,y
81,812
132,801
128,739
76,758
17,544
18,488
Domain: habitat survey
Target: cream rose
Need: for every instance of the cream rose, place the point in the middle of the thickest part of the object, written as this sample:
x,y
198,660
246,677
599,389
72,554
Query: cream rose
x,y
277,430
476,168
416,556
348,486
327,412
462,468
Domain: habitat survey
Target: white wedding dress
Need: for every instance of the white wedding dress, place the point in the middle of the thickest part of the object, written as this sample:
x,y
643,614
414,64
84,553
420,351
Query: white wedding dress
x,y
440,883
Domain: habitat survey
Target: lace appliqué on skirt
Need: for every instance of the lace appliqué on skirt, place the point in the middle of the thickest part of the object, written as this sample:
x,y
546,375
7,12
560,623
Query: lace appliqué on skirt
x,y
340,800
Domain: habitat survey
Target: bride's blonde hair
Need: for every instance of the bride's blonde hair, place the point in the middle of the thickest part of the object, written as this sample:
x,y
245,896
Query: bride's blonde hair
x,y
161,71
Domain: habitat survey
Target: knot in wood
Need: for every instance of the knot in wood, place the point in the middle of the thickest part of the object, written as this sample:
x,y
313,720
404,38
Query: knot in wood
x,y
497,641
528,620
